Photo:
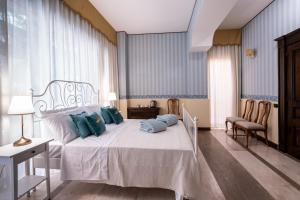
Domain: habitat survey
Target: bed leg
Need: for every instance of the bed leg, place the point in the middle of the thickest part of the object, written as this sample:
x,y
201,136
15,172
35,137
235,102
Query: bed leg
x,y
178,196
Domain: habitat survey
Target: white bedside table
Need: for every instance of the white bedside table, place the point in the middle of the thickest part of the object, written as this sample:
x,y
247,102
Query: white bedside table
x,y
11,156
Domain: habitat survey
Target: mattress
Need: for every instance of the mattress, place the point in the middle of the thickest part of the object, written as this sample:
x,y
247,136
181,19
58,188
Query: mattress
x,y
126,156
55,149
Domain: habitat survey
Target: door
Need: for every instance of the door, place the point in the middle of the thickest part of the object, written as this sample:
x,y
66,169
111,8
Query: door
x,y
293,100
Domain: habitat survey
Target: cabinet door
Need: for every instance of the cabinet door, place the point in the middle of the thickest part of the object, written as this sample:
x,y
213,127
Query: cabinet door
x,y
293,100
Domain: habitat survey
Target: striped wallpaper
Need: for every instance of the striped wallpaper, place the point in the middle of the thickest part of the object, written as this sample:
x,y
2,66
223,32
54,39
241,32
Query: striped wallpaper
x,y
159,66
259,74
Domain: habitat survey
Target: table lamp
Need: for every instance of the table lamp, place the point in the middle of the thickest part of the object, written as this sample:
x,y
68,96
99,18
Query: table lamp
x,y
21,105
111,98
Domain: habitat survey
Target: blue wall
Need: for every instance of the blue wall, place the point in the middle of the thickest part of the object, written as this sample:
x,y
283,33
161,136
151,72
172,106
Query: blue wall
x,y
259,74
159,66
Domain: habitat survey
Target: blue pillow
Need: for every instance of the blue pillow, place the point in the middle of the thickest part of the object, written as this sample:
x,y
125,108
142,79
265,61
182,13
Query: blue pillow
x,y
82,124
106,116
115,115
96,124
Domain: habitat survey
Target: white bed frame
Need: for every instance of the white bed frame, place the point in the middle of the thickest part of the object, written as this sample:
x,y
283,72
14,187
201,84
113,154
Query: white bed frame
x,y
191,127
60,94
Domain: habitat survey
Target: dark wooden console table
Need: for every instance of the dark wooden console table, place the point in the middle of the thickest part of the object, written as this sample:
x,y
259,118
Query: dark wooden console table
x,y
142,112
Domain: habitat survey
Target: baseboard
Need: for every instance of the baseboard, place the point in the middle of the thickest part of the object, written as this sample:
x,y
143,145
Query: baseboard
x,y
262,139
204,128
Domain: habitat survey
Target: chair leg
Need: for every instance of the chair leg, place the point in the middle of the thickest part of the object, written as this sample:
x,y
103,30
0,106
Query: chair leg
x,y
247,138
226,124
266,137
233,127
234,132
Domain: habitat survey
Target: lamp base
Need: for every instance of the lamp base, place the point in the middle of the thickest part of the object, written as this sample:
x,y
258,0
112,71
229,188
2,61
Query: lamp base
x,y
22,141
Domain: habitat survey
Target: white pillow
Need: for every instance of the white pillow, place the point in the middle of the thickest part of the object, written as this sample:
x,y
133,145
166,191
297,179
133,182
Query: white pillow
x,y
92,108
62,128
49,113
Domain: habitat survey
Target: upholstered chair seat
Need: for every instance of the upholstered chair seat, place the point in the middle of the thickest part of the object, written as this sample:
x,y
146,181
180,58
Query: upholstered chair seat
x,y
250,125
259,124
245,117
235,119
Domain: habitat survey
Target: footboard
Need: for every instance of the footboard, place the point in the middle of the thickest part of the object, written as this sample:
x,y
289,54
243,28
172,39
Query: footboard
x,y
191,127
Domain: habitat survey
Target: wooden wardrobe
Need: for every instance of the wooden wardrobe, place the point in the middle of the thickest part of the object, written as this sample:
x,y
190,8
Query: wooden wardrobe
x,y
289,93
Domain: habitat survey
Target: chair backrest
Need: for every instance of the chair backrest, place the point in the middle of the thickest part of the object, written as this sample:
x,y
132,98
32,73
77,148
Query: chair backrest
x,y
263,113
173,106
248,110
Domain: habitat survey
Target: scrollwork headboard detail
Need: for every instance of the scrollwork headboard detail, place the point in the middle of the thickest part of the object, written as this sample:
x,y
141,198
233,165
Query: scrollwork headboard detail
x,y
62,94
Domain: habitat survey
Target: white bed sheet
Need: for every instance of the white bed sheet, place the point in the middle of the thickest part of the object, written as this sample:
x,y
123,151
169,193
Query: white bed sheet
x,y
131,157
55,148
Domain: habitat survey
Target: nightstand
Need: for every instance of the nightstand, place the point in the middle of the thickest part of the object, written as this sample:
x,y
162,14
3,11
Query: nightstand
x,y
11,156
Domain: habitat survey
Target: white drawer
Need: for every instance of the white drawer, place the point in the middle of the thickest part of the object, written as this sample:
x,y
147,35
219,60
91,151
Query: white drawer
x,y
30,153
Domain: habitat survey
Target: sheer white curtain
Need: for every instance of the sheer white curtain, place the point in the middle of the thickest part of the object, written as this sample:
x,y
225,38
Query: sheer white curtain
x,y
223,64
47,41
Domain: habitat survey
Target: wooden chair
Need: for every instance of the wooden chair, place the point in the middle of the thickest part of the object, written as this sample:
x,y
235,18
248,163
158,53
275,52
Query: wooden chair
x,y
247,114
260,123
173,106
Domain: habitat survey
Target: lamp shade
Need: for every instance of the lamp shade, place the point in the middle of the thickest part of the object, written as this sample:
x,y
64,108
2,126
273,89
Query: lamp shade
x,y
20,105
112,96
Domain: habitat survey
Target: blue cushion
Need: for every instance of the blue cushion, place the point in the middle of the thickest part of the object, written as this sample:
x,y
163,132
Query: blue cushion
x,y
96,124
115,115
106,116
81,124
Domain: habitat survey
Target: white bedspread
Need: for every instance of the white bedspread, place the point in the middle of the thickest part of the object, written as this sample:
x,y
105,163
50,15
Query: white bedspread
x,y
126,156
87,159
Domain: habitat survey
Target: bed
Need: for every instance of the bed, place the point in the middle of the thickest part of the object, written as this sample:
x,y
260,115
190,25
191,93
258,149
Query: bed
x,y
124,155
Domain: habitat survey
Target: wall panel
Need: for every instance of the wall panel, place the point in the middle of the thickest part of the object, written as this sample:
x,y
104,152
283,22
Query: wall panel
x,y
159,66
259,74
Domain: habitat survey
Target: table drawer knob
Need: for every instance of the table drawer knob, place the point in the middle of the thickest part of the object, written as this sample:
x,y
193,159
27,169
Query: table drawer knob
x,y
33,152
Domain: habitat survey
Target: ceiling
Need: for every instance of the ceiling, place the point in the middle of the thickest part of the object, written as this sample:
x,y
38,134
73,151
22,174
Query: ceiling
x,y
243,12
146,16
159,16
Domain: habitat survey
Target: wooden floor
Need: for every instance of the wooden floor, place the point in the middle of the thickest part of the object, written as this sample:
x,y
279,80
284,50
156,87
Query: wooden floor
x,y
229,171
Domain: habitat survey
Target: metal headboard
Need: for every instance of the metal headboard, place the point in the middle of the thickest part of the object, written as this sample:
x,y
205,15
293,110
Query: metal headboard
x,y
62,94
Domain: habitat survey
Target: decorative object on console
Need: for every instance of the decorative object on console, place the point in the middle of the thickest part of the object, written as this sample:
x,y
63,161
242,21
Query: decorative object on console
x,y
21,105
112,97
153,104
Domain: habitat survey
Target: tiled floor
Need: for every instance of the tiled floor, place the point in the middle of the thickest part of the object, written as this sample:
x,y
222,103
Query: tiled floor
x,y
276,185
283,163
212,188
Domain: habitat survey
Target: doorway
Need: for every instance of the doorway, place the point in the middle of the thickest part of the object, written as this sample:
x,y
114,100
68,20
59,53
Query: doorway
x,y
289,93
223,62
